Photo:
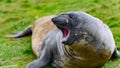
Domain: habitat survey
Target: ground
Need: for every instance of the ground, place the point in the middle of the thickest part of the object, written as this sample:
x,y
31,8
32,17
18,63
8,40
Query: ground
x,y
15,15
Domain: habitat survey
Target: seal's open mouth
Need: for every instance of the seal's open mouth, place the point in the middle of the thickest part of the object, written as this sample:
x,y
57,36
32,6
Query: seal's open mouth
x,y
66,33
62,23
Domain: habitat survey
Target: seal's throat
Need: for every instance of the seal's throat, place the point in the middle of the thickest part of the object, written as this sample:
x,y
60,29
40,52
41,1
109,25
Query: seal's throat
x,y
65,32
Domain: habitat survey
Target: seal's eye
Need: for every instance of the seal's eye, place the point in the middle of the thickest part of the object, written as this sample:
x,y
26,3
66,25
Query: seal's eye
x,y
71,16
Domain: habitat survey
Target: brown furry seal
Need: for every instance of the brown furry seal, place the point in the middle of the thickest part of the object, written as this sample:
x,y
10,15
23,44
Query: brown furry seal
x,y
81,41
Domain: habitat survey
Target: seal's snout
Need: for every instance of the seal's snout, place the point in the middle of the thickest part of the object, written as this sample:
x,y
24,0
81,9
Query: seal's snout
x,y
59,20
56,20
53,19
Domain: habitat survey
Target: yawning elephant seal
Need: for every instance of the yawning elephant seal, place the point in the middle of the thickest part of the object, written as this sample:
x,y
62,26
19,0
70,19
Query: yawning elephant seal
x,y
81,41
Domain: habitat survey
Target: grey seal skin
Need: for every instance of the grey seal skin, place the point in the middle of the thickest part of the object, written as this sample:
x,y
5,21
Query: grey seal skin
x,y
81,41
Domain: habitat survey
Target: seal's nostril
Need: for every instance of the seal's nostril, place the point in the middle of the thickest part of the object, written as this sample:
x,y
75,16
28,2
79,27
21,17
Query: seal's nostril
x,y
53,19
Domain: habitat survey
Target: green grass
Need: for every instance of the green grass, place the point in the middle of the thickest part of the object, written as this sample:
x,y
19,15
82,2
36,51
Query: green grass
x,y
15,15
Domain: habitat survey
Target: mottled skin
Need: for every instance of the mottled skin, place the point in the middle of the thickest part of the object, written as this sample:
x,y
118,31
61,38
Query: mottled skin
x,y
89,42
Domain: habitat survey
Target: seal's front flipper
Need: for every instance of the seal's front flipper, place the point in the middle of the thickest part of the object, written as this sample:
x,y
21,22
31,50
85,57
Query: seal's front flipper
x,y
24,33
44,59
116,54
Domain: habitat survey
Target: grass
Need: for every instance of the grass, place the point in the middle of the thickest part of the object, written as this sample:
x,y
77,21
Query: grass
x,y
15,15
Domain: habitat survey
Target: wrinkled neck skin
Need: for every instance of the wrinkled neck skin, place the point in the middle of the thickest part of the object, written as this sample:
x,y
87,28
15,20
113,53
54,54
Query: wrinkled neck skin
x,y
79,37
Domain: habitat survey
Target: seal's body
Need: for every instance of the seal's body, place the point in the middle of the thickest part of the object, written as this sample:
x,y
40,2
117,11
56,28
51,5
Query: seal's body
x,y
81,41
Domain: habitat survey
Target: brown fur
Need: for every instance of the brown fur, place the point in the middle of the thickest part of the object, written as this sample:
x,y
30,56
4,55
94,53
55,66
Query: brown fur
x,y
40,29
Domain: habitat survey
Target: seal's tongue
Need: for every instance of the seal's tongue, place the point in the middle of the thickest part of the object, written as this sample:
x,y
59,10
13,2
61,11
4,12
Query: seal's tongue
x,y
65,32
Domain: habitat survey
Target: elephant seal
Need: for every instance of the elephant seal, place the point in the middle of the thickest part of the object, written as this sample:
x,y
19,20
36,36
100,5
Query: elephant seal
x,y
81,41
